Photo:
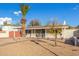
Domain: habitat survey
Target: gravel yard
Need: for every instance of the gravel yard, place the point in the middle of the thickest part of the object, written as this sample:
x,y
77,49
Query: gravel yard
x,y
36,47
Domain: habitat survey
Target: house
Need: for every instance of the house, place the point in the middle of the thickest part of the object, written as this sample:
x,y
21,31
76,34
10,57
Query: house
x,y
42,31
10,31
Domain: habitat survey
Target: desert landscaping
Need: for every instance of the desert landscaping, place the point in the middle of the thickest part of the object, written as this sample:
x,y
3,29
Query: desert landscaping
x,y
36,47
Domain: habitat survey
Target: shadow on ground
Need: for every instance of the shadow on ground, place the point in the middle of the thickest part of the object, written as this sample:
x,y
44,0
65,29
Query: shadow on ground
x,y
43,47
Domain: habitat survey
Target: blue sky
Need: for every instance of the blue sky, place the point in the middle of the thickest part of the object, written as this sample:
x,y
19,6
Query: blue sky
x,y
43,12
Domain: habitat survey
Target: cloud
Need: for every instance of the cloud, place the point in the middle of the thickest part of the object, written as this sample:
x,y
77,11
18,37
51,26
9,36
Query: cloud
x,y
7,19
17,12
76,7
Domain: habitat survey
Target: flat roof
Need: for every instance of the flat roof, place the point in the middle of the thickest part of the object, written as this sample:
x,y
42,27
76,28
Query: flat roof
x,y
44,27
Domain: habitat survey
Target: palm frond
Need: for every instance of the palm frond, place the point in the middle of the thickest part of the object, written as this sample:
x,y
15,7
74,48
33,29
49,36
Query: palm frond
x,y
24,9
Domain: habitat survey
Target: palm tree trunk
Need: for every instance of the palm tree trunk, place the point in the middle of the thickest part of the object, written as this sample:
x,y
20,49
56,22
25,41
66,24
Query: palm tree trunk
x,y
23,27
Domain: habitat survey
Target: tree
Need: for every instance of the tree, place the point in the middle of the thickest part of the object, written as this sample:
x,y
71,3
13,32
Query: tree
x,y
77,26
24,10
34,23
55,30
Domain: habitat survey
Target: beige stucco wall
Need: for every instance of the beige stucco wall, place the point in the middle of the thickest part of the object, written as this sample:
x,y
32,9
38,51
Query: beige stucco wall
x,y
4,34
67,33
10,28
32,35
48,35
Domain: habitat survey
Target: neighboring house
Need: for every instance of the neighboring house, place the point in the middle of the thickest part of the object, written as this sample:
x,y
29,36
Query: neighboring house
x,y
10,31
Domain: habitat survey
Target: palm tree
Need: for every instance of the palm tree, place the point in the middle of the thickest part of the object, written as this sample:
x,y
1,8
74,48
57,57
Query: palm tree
x,y
24,10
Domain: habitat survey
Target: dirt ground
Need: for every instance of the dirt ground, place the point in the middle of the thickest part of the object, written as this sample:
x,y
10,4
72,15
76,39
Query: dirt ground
x,y
36,47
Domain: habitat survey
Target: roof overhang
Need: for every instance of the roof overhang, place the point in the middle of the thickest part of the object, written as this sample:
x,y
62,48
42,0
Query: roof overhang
x,y
45,27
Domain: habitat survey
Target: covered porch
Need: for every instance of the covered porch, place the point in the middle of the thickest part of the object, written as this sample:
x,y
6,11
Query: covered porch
x,y
41,31
37,32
